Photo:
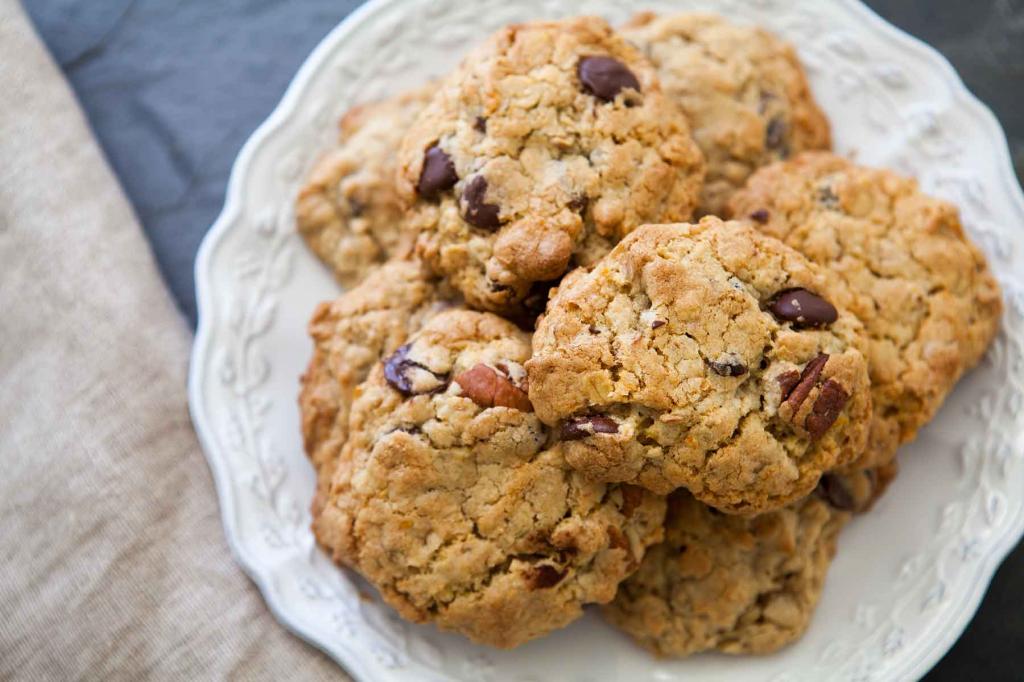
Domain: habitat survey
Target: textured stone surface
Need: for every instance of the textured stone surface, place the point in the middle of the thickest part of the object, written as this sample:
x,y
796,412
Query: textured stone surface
x,y
174,88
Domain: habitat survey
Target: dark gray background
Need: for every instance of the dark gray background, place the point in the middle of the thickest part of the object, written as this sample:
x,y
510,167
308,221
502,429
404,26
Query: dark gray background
x,y
174,87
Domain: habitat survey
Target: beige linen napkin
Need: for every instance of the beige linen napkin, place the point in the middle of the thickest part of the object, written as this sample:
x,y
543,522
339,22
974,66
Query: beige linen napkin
x,y
113,563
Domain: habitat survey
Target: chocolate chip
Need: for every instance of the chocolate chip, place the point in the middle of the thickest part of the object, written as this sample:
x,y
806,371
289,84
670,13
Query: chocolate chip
x,y
409,377
579,203
658,323
476,210
833,489
588,425
544,576
828,198
488,388
438,173
632,496
605,77
728,368
808,378
829,404
480,124
775,136
788,381
803,308
355,207
761,215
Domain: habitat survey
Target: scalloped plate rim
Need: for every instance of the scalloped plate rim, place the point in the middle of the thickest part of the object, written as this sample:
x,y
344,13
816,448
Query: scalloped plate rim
x,y
929,652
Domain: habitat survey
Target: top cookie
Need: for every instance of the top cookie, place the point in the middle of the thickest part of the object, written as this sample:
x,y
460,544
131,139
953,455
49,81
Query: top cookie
x,y
448,498
901,262
349,211
350,335
546,146
743,90
703,356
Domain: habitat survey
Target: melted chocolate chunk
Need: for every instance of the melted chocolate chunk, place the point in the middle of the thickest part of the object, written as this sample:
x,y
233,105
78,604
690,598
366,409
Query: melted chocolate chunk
x,y
803,308
833,489
438,173
476,210
579,203
588,425
761,215
406,376
775,136
605,77
728,368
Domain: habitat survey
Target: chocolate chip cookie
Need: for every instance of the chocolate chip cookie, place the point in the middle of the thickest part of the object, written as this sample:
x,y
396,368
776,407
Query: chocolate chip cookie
x,y
349,211
350,334
902,264
546,146
743,90
450,498
703,356
735,584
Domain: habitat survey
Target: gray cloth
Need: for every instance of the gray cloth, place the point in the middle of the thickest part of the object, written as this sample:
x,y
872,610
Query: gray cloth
x,y
114,563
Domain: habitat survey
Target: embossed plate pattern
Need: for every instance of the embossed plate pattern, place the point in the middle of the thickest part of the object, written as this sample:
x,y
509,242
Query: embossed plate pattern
x,y
907,578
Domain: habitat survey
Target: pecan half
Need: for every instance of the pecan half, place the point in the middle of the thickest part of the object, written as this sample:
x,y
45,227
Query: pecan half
x,y
489,388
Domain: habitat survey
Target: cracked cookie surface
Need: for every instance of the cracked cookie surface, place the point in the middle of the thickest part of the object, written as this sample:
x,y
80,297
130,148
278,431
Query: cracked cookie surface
x,y
349,212
703,356
741,585
450,499
901,262
350,334
546,146
743,90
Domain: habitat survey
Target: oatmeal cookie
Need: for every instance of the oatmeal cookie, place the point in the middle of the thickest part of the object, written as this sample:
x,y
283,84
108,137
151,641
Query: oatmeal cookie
x,y
743,90
348,211
546,146
739,585
449,498
703,356
901,263
350,334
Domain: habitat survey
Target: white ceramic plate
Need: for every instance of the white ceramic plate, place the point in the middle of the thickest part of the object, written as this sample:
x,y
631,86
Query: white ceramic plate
x,y
907,577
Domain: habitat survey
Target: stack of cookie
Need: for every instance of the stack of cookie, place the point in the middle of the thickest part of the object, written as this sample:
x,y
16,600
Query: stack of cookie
x,y
544,388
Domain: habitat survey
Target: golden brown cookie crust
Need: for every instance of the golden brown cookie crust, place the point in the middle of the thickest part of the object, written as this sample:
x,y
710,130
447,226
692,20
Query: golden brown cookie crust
x,y
350,334
741,585
901,262
450,500
743,90
348,211
665,366
545,171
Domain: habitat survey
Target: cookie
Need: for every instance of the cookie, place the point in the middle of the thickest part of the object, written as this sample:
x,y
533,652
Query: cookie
x,y
350,335
902,264
743,90
451,500
546,146
703,356
349,211
741,585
